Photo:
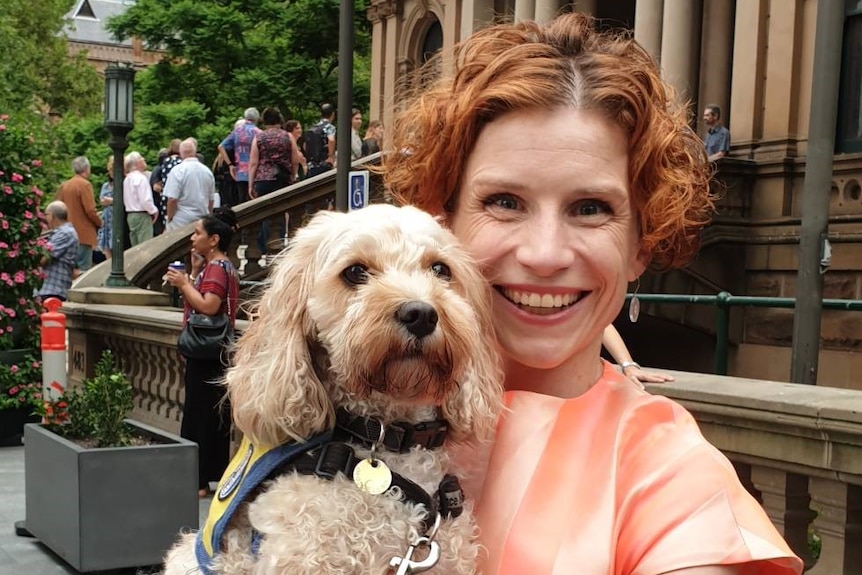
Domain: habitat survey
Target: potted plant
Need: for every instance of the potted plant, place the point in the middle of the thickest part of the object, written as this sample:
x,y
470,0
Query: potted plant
x,y
102,491
21,243
20,398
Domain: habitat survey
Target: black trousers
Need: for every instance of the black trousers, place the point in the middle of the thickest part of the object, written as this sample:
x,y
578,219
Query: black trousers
x,y
206,420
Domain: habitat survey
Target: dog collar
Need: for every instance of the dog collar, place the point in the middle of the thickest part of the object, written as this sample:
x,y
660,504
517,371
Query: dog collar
x,y
336,457
398,436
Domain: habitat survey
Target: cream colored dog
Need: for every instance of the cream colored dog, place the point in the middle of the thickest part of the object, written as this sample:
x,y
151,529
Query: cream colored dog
x,y
379,314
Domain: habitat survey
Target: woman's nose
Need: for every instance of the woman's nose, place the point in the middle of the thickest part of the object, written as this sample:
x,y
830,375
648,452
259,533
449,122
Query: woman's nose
x,y
545,247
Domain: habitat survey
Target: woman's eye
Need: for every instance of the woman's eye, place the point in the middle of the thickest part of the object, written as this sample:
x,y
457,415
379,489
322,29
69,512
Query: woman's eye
x,y
355,275
591,208
504,201
441,270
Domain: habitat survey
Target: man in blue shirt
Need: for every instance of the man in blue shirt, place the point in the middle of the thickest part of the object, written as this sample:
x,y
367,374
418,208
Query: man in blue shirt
x,y
717,138
59,264
235,151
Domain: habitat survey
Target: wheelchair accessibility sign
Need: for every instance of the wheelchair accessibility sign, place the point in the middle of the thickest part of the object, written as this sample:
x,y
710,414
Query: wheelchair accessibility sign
x,y
358,193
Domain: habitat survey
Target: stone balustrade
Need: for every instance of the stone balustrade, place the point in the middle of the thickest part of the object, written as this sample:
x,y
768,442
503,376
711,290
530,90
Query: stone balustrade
x,y
798,449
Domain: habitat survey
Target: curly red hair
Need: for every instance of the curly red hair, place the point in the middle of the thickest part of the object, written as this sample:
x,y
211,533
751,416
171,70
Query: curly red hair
x,y
564,63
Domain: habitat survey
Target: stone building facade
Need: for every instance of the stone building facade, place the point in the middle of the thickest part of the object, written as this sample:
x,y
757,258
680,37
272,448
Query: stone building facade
x,y
754,58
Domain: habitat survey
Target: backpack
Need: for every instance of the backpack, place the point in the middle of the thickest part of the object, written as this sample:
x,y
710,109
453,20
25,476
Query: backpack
x,y
316,145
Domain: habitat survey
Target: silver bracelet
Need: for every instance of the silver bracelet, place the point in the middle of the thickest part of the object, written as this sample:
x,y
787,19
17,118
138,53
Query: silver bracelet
x,y
627,364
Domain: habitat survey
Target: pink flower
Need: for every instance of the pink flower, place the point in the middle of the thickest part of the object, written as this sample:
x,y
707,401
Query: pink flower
x,y
17,178
4,117
8,329
2,127
13,254
14,369
3,245
4,225
22,301
30,312
14,389
19,277
11,312
4,277
8,190
37,163
35,365
28,214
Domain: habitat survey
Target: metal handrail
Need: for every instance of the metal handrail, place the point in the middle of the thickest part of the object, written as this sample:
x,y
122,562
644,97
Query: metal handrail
x,y
723,301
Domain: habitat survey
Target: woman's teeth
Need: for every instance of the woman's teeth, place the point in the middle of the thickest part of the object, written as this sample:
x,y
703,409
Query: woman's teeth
x,y
536,300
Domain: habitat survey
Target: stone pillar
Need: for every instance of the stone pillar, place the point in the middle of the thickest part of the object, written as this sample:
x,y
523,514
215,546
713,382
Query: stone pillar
x,y
785,499
451,24
716,57
585,6
378,39
680,46
782,87
547,10
525,10
390,13
749,61
475,13
648,26
839,524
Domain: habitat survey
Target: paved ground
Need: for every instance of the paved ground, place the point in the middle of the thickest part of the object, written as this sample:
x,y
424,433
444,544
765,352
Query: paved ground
x,y
23,555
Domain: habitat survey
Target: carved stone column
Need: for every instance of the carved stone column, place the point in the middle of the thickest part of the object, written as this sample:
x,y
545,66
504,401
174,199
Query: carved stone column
x,y
839,524
648,26
525,10
547,10
716,56
680,46
785,499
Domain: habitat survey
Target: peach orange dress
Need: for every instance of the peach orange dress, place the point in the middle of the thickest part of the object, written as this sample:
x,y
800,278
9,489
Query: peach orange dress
x,y
615,482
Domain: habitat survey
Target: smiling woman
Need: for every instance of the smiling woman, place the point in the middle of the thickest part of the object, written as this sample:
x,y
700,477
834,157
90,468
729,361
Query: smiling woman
x,y
571,168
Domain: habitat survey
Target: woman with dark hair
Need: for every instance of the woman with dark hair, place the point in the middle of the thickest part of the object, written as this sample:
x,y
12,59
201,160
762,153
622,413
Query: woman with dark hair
x,y
273,161
212,289
294,129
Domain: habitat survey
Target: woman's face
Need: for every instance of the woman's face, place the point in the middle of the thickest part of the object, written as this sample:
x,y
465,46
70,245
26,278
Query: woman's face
x,y
544,207
297,131
202,242
356,121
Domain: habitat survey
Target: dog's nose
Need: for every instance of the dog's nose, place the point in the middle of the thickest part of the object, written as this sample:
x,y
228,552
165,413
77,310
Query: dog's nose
x,y
418,317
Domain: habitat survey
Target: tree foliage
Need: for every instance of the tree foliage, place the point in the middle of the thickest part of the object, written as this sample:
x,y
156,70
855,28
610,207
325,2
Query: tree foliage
x,y
37,71
230,54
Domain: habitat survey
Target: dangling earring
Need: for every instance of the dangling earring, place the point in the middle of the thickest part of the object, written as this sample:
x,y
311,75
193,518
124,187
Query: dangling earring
x,y
635,304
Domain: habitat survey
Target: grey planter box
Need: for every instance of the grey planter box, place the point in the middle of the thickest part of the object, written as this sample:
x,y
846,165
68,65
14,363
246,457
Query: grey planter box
x,y
109,508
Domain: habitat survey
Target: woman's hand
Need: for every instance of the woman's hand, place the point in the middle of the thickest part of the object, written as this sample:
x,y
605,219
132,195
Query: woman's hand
x,y
641,375
177,278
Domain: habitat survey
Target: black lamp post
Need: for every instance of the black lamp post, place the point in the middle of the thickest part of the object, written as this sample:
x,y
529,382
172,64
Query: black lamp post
x,y
119,120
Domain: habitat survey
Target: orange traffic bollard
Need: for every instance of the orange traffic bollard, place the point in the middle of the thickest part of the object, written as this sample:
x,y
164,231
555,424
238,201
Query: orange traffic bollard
x,y
53,350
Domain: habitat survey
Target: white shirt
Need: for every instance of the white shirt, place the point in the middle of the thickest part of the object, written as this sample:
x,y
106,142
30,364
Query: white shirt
x,y
137,195
192,184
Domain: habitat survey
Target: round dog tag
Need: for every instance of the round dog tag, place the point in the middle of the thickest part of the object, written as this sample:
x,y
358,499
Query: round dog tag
x,y
372,476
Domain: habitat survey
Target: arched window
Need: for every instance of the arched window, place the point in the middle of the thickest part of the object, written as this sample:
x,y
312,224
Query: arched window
x,y
433,41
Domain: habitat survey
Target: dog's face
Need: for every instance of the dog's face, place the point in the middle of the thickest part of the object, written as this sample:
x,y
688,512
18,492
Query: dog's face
x,y
399,312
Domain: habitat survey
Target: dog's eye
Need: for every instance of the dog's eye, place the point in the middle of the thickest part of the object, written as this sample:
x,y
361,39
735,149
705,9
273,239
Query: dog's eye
x,y
355,275
441,270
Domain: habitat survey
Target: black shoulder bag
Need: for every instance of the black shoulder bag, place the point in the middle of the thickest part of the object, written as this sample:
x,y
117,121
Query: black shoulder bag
x,y
204,336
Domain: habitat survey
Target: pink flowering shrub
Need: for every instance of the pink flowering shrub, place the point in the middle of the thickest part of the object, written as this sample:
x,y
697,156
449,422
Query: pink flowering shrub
x,y
22,244
25,390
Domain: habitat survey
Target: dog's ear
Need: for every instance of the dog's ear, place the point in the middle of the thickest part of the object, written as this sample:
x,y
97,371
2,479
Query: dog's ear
x,y
472,411
275,394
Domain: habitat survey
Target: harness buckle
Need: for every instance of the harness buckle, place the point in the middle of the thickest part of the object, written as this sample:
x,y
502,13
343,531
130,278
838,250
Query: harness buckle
x,y
334,457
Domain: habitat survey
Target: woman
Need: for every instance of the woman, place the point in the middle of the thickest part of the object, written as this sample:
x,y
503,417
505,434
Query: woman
x,y
294,128
213,290
106,200
355,139
588,473
273,159
373,138
158,180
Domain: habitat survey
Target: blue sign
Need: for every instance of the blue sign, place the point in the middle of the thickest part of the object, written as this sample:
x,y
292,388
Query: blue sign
x,y
358,193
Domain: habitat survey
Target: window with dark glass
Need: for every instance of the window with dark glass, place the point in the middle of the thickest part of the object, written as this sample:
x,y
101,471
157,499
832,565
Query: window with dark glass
x,y
849,128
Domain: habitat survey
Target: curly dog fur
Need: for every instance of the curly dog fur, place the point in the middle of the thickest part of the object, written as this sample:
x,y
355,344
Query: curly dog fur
x,y
327,335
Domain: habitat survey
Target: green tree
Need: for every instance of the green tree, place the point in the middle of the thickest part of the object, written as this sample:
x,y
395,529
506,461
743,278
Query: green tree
x,y
36,68
229,54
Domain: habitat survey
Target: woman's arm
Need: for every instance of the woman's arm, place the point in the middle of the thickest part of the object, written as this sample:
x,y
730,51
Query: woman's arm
x,y
207,304
253,162
613,342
